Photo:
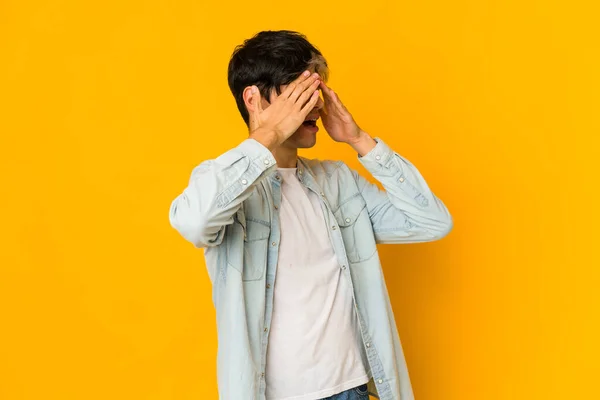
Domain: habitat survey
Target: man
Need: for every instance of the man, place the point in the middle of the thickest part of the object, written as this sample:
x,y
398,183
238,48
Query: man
x,y
290,243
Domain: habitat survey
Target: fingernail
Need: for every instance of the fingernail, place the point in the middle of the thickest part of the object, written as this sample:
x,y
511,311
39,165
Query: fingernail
x,y
306,73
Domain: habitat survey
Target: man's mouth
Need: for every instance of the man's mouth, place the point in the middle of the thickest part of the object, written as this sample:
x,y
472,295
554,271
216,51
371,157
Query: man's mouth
x,y
310,122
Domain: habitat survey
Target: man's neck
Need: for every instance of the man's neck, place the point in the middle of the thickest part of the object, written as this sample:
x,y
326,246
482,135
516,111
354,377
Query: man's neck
x,y
286,157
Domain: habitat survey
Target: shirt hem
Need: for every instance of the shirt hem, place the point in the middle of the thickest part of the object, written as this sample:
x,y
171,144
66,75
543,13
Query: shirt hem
x,y
331,391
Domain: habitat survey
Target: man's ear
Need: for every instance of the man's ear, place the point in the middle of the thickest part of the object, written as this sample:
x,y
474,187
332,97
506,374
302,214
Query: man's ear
x,y
247,96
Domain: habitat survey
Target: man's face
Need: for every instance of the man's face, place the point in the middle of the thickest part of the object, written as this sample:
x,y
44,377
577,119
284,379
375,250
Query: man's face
x,y
306,135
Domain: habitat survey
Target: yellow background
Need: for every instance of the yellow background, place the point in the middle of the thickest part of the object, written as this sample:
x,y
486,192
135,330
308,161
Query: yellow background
x,y
107,106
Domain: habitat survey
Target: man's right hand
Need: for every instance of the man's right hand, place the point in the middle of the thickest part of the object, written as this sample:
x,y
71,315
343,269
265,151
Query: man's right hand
x,y
287,112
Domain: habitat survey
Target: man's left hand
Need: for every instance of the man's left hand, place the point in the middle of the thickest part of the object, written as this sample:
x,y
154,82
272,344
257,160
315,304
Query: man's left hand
x,y
337,120
340,125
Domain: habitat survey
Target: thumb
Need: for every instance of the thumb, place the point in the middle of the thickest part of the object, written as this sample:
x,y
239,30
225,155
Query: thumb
x,y
256,99
256,108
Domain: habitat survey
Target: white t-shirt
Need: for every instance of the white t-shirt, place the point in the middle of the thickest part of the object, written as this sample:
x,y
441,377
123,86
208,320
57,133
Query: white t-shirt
x,y
314,344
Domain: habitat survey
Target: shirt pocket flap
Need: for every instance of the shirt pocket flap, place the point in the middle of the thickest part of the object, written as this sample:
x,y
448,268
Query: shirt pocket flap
x,y
241,218
348,212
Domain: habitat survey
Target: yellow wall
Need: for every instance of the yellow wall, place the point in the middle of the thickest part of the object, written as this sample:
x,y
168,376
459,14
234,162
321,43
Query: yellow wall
x,y
107,106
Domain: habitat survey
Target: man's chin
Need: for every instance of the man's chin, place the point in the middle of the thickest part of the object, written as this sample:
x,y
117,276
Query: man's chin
x,y
307,145
303,138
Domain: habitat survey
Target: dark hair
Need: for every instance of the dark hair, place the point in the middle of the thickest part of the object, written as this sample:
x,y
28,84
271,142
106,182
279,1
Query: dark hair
x,y
268,60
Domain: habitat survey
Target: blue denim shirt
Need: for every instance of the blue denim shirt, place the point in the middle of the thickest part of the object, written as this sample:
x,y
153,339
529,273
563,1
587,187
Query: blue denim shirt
x,y
230,208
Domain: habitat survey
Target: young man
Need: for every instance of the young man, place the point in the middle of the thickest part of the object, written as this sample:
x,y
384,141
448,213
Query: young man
x,y
290,243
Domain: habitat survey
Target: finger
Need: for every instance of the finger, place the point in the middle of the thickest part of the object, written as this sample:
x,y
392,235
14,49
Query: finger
x,y
292,86
336,101
328,97
305,96
332,99
310,105
325,89
304,86
256,109
340,103
256,100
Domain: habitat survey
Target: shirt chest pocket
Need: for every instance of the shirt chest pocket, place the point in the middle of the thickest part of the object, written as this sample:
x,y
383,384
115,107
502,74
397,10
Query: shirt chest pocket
x,y
247,247
356,229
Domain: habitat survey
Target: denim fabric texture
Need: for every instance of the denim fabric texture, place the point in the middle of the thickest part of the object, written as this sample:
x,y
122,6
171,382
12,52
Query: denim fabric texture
x,y
230,209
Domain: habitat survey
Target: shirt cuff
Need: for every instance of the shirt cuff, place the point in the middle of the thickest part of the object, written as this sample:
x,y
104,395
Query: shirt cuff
x,y
378,157
259,160
257,152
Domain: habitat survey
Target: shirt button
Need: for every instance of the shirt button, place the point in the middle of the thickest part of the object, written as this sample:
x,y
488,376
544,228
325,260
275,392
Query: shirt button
x,y
377,158
380,381
244,182
300,172
268,285
276,207
277,177
322,194
333,227
266,329
343,267
401,179
262,375
274,244
267,161
347,220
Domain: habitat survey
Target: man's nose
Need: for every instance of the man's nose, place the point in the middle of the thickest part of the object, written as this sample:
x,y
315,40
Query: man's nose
x,y
319,105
